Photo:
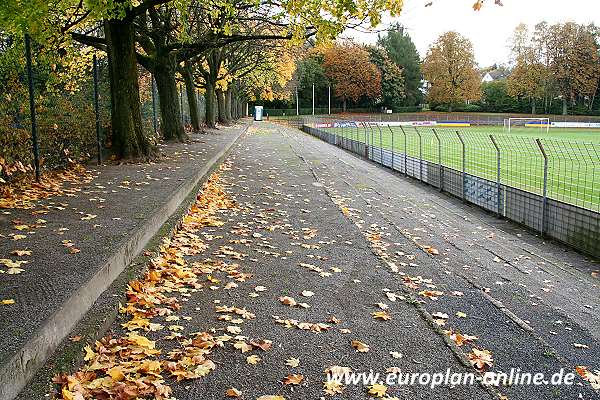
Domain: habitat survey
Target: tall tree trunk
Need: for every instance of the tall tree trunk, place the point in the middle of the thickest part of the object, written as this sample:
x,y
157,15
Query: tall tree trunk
x,y
221,104
191,96
128,136
533,110
170,112
228,113
344,104
564,106
210,105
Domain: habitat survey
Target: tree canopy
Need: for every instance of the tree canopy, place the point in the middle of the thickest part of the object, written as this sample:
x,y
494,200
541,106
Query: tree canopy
x,y
450,69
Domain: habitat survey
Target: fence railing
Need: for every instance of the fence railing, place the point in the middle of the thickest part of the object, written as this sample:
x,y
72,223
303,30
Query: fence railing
x,y
549,185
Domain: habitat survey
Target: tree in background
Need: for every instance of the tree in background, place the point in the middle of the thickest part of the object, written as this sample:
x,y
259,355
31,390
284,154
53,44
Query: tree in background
x,y
574,62
495,97
529,77
449,67
403,52
392,82
353,74
310,71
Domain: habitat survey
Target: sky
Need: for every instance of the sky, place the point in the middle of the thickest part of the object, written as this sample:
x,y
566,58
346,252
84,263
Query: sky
x,y
489,29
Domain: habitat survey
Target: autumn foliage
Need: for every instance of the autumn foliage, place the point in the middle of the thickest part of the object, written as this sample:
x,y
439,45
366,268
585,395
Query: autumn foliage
x,y
349,67
451,70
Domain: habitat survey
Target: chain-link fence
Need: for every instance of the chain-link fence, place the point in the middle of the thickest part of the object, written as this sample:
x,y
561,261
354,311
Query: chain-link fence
x,y
549,185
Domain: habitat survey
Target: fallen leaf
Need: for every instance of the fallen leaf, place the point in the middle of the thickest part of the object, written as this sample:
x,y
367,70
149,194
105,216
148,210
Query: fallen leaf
x,y
233,392
360,346
382,315
377,390
332,387
264,344
292,362
481,358
21,253
295,379
253,359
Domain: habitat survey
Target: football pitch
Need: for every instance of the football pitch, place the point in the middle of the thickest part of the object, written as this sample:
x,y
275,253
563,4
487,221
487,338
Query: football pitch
x,y
573,155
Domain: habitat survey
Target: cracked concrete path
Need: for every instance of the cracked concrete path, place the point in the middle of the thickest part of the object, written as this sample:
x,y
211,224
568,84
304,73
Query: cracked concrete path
x,y
354,241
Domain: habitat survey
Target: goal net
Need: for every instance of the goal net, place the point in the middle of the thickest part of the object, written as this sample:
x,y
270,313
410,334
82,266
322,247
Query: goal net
x,y
543,124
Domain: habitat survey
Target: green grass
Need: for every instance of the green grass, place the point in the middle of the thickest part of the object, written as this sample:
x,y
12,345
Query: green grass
x,y
573,156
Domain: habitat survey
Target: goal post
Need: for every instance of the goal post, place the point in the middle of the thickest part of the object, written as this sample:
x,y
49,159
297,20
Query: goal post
x,y
543,123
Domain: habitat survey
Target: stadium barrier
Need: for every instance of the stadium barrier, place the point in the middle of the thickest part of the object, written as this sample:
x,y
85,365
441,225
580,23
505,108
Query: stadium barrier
x,y
551,186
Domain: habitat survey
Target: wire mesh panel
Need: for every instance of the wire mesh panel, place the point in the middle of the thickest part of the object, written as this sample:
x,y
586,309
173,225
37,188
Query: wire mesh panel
x,y
573,172
550,185
480,186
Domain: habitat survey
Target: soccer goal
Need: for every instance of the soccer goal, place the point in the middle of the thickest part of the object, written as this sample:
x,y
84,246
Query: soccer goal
x,y
542,123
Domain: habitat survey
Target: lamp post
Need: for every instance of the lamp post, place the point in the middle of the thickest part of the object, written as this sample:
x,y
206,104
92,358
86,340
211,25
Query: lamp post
x,y
329,99
313,99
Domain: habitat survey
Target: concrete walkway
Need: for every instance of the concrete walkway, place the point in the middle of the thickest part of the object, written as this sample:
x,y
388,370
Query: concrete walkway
x,y
79,243
427,283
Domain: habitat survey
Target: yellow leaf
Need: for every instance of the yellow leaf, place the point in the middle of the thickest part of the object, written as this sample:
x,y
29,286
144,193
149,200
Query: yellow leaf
x,y
253,359
89,353
332,387
383,315
377,390
21,253
141,340
292,362
116,373
6,302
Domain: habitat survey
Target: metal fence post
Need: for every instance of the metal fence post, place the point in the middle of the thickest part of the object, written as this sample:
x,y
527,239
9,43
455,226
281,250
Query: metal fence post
x,y
464,167
393,152
366,141
372,140
97,109
420,154
441,167
380,144
405,151
498,189
34,136
545,189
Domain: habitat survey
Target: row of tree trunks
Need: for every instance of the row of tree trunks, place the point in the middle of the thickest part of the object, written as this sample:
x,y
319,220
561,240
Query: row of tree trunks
x,y
129,138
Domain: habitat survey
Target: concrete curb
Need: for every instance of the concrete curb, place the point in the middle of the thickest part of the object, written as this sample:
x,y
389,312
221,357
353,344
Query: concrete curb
x,y
19,369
